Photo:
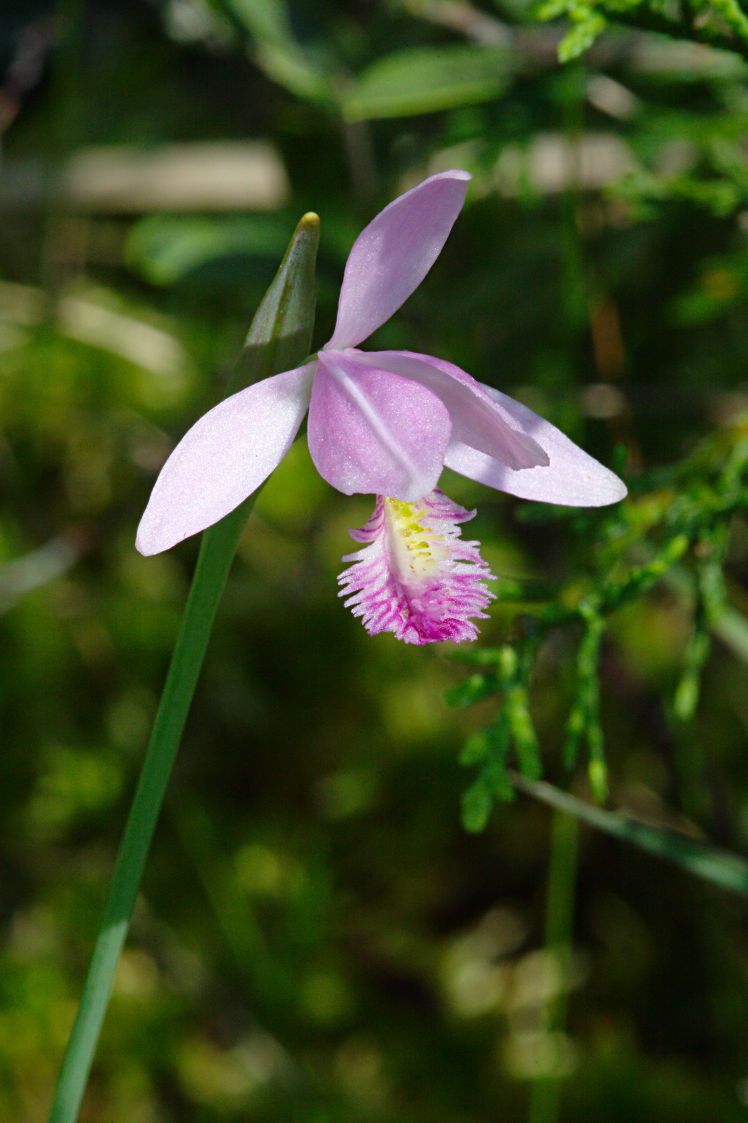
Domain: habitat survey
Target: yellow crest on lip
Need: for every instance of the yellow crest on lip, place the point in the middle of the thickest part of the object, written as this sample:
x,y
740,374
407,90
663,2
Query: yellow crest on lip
x,y
418,547
416,576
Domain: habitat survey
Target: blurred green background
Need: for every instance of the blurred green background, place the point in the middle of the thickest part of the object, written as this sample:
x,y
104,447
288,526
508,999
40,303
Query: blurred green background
x,y
318,939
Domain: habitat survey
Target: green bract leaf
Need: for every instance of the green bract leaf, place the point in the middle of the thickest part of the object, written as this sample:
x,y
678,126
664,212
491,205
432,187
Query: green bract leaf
x,y
423,80
278,338
281,332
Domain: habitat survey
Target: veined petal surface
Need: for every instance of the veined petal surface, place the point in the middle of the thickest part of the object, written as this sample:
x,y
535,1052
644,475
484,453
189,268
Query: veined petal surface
x,y
478,419
393,254
223,458
571,477
372,431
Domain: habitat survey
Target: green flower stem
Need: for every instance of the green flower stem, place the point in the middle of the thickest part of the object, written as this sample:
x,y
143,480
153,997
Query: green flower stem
x,y
278,339
214,562
545,1098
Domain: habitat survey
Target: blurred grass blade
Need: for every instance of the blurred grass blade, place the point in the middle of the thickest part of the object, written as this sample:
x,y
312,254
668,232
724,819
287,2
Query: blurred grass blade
x,y
278,52
729,871
732,628
279,338
424,80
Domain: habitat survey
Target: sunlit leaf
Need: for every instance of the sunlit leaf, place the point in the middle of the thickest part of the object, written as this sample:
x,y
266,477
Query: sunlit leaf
x,y
278,52
425,80
166,248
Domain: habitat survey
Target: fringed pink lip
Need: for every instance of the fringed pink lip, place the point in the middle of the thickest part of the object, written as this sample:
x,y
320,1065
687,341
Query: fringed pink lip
x,y
416,577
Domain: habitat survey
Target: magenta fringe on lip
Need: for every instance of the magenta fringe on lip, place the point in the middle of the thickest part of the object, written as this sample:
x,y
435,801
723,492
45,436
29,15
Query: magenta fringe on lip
x,y
416,577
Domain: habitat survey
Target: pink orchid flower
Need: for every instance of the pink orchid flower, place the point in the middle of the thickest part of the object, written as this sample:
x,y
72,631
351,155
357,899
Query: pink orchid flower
x,y
383,423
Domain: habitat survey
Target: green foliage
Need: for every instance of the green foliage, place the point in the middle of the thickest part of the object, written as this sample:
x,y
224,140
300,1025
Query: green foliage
x,y
423,80
720,23
170,248
278,337
728,871
589,22
267,24
685,514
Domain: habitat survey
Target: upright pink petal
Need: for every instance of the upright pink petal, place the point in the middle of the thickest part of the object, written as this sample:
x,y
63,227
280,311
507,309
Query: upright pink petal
x,y
571,477
415,576
394,253
477,419
223,458
374,432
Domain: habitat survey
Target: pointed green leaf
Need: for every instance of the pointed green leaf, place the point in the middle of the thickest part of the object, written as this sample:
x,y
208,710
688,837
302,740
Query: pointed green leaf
x,y
729,871
278,339
279,54
424,80
281,333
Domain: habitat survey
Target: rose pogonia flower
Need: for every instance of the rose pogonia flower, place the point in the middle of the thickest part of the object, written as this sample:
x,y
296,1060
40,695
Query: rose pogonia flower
x,y
383,423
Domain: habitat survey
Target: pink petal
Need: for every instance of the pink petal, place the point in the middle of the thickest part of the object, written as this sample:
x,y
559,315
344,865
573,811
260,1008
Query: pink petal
x,y
477,419
373,431
223,458
571,477
393,254
415,576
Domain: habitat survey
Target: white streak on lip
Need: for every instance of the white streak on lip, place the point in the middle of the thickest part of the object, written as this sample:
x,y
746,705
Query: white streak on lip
x,y
414,557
